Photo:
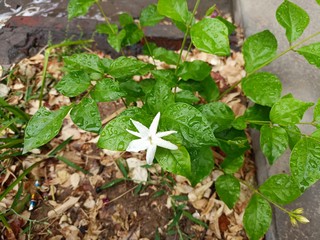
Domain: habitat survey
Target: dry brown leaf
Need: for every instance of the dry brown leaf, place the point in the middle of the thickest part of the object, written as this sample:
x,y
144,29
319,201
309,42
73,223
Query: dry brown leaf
x,y
63,207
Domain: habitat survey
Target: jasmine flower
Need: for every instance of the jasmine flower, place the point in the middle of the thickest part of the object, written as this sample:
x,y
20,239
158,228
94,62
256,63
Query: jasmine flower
x,y
149,139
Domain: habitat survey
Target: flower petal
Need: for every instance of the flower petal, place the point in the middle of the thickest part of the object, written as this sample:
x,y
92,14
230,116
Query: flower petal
x,y
154,125
143,130
163,134
151,151
138,145
165,144
134,133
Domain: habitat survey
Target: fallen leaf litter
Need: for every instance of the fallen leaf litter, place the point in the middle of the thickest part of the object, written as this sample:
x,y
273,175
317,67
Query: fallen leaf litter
x,y
68,204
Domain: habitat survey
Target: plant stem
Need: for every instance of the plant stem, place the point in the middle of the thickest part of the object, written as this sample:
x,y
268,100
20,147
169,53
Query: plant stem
x,y
264,197
187,32
268,62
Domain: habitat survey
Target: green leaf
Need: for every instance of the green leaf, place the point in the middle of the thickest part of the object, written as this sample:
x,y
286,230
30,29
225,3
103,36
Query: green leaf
x,y
84,61
257,217
293,18
311,53
318,1
288,111
281,189
263,88
174,161
108,29
174,9
73,83
190,125
202,164
165,55
159,98
115,40
115,136
228,189
316,114
78,8
231,27
273,142
149,16
196,70
126,67
43,126
133,35
186,97
209,89
107,90
210,35
232,164
183,26
253,115
305,162
259,49
125,19
233,142
86,115
294,135
219,115
166,75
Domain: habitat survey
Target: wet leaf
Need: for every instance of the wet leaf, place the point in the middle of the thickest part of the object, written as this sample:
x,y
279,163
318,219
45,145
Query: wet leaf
x,y
174,9
149,16
263,88
125,19
166,75
219,115
294,135
258,49
43,126
293,18
228,189
165,55
202,164
231,27
281,189
253,115
196,70
86,115
233,142
311,53
209,89
107,90
257,217
84,61
288,110
73,83
305,162
115,40
316,114
232,164
190,124
126,67
175,161
186,97
159,98
211,36
78,8
273,142
108,29
133,34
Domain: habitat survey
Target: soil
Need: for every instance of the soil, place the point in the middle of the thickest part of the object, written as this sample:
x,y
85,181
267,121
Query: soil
x,y
72,205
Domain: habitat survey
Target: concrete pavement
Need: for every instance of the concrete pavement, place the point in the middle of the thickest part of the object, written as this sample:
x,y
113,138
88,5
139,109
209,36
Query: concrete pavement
x,y
301,79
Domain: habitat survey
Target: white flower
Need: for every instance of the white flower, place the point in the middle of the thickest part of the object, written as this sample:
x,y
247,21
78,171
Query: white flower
x,y
149,139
